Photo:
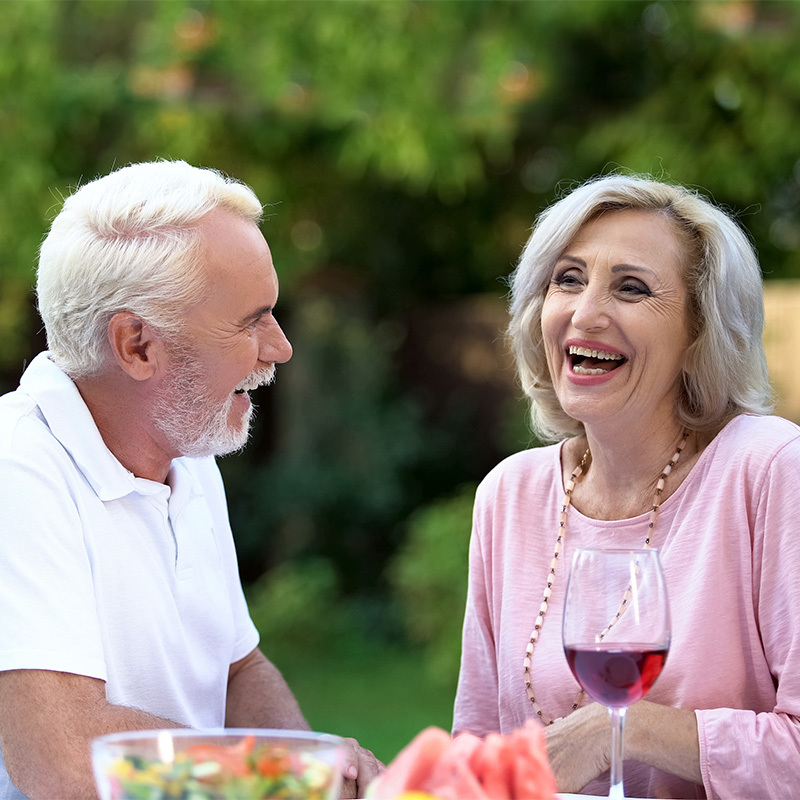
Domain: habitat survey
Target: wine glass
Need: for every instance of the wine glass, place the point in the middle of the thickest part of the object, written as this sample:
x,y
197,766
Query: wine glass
x,y
616,633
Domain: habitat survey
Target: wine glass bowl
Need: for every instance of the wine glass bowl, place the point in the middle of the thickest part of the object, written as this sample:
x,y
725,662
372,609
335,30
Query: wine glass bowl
x,y
616,675
616,632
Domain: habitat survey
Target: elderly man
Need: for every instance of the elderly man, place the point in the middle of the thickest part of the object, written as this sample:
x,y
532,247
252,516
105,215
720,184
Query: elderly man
x,y
120,601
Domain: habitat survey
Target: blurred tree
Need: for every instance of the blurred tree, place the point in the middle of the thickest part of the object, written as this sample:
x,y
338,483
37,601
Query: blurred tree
x,y
404,149
430,572
349,441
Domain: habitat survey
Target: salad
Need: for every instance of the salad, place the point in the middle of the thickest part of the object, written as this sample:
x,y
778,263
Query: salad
x,y
242,771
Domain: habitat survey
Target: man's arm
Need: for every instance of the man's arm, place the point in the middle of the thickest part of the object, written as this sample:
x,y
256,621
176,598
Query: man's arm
x,y
48,722
259,697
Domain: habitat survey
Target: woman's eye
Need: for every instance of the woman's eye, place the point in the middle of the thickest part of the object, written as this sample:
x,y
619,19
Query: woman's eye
x,y
567,280
635,289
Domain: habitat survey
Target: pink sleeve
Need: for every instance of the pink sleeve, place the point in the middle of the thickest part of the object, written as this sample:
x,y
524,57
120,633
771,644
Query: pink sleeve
x,y
476,707
742,749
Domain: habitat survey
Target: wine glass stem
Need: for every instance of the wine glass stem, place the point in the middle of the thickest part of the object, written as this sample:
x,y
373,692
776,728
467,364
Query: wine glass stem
x,y
616,791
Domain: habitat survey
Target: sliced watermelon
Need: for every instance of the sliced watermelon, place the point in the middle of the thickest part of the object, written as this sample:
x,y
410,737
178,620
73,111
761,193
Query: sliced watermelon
x,y
532,777
452,779
411,768
510,767
454,773
489,768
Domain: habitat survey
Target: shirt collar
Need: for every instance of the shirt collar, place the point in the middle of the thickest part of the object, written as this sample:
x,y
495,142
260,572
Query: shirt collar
x,y
71,422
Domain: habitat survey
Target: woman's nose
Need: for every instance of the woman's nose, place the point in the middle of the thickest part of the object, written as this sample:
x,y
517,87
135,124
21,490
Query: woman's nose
x,y
591,310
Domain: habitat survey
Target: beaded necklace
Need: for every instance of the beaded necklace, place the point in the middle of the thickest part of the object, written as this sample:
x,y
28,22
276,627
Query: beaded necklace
x,y
548,589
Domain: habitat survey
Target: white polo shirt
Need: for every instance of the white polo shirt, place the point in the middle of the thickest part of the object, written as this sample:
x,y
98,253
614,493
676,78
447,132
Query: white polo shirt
x,y
109,575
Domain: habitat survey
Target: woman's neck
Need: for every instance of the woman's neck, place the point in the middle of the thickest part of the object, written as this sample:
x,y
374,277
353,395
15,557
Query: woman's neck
x,y
620,479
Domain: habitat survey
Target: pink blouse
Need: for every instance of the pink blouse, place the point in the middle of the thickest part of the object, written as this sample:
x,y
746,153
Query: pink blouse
x,y
729,539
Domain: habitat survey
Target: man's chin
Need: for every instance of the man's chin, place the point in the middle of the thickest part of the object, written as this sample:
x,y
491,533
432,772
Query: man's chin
x,y
218,444
197,435
233,440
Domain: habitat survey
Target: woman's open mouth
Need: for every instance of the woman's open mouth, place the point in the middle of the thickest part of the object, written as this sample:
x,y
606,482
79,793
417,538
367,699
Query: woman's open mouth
x,y
585,361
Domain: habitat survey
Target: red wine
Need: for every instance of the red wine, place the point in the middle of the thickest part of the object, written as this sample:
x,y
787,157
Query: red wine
x,y
616,675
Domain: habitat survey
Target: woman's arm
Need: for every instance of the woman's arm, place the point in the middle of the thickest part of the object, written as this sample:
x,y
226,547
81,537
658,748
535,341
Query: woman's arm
x,y
476,707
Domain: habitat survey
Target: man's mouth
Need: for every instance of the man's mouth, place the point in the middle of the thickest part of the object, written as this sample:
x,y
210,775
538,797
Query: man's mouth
x,y
585,361
261,378
246,386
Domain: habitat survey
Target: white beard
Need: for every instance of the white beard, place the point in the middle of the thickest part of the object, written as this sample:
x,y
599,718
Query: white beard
x,y
184,413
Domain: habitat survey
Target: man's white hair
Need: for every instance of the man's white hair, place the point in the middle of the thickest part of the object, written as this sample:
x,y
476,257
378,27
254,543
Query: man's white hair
x,y
128,241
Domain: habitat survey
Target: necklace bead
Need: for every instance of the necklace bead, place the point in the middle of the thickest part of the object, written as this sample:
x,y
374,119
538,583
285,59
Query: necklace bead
x,y
548,590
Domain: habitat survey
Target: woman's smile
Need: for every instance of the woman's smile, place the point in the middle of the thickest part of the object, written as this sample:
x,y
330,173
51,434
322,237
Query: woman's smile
x,y
593,360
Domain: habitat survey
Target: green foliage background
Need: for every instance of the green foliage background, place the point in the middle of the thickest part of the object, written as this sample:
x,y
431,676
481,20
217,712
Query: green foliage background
x,y
403,149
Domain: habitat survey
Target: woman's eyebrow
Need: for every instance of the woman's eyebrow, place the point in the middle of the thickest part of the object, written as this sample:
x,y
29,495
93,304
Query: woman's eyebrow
x,y
632,268
624,267
573,259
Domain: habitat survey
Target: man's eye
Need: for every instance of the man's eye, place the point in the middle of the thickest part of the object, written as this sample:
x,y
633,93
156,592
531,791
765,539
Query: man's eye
x,y
259,320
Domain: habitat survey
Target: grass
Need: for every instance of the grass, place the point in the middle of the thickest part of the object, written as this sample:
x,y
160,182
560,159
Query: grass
x,y
381,696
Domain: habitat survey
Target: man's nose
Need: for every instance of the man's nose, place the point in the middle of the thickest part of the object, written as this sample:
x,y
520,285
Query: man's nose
x,y
275,347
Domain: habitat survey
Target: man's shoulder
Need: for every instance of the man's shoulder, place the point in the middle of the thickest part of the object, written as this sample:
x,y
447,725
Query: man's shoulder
x,y
21,417
21,422
34,454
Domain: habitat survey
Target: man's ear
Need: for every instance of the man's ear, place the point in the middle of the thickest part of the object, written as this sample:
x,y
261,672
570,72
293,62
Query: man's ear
x,y
136,346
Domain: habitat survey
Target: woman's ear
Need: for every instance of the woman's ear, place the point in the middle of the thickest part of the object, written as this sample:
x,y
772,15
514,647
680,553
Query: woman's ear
x,y
136,346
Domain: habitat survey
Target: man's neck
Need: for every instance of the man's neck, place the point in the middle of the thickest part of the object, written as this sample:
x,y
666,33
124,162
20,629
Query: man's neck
x,y
118,405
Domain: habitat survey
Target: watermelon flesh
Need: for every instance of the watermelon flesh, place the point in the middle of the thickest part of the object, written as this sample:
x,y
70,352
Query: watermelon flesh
x,y
466,767
412,766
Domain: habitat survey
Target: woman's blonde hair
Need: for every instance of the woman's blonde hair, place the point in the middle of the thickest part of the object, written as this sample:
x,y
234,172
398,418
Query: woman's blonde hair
x,y
128,241
725,369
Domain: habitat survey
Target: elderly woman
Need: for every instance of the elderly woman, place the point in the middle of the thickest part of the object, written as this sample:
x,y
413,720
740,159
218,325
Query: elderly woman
x,y
636,320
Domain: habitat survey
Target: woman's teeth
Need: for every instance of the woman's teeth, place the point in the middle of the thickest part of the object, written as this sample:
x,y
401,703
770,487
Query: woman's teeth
x,y
586,361
579,370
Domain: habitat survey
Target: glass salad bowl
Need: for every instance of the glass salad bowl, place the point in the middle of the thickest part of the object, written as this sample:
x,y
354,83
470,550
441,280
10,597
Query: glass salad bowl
x,y
226,764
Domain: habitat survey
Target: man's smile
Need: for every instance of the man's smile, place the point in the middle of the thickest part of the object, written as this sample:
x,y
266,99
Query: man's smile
x,y
261,377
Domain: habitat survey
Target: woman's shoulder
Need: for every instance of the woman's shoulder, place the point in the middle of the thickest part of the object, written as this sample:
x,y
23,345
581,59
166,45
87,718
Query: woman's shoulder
x,y
757,434
534,465
751,443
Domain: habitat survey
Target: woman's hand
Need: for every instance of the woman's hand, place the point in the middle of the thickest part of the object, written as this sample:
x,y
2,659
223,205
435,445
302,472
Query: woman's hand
x,y
665,738
579,747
